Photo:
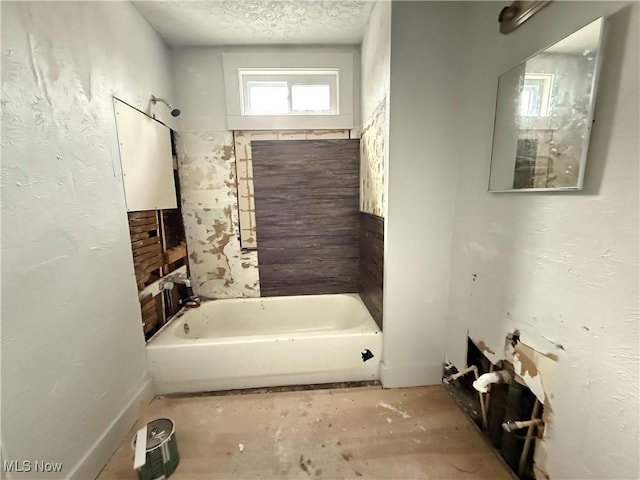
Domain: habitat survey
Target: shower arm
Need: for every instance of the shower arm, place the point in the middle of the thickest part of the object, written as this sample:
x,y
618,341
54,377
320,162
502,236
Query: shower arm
x,y
174,111
155,100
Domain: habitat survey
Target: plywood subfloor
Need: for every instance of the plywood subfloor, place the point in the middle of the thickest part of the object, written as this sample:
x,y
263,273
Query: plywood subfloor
x,y
361,432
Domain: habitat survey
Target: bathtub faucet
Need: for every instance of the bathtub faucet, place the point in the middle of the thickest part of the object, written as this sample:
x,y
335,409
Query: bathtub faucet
x,y
170,280
192,300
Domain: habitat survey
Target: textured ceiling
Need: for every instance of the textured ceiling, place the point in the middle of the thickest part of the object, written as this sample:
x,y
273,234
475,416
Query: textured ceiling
x,y
246,22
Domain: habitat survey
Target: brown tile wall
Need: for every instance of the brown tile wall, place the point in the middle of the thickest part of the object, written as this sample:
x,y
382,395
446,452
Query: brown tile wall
x,y
370,280
307,216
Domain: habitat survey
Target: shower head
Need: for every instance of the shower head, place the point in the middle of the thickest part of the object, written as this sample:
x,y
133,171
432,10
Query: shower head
x,y
174,111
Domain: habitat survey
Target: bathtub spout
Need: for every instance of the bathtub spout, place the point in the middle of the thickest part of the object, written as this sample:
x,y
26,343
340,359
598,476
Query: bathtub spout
x,y
191,302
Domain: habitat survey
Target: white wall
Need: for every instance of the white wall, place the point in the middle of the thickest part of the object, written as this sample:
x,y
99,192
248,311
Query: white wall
x,y
219,267
561,268
200,87
423,160
73,358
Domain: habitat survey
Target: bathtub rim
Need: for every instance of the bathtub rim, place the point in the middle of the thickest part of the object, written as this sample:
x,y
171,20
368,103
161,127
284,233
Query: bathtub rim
x,y
203,341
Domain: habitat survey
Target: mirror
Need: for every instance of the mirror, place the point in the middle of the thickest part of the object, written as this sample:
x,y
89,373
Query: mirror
x,y
544,113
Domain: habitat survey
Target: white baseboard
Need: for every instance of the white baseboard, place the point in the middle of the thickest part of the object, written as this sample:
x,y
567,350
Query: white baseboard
x,y
410,375
101,451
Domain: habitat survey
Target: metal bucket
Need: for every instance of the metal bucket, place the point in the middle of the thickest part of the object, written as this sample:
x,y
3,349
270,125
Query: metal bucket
x,y
162,456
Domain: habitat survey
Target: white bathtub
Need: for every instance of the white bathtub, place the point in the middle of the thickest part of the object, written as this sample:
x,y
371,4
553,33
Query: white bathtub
x,y
262,342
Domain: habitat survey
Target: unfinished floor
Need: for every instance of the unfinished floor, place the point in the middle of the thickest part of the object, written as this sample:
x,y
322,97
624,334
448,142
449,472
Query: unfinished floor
x,y
360,432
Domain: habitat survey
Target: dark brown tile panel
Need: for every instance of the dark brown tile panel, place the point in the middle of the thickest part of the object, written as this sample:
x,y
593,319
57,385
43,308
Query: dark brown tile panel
x,y
370,282
307,216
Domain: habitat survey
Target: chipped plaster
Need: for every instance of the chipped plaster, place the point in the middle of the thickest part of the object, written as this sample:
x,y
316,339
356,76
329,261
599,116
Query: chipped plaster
x,y
376,73
219,267
372,162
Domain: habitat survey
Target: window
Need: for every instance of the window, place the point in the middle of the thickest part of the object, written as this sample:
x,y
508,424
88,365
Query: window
x,y
289,90
312,98
265,98
535,98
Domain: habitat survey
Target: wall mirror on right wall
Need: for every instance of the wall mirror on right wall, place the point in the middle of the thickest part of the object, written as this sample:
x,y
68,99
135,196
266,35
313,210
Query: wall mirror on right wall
x,y
544,113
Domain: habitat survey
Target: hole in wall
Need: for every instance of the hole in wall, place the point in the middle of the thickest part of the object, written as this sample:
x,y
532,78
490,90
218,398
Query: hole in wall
x,y
506,402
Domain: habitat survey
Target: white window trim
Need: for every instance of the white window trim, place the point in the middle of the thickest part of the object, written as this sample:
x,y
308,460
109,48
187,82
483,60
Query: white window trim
x,y
234,61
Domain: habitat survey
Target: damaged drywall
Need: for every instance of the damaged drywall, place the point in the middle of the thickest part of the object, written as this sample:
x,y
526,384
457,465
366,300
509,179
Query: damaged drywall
x,y
219,267
374,147
537,371
372,162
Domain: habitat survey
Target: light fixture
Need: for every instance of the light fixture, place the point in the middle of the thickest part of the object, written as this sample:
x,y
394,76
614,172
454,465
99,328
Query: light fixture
x,y
517,13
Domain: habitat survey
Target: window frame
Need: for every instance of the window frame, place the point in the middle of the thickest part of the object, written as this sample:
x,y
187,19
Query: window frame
x,y
236,62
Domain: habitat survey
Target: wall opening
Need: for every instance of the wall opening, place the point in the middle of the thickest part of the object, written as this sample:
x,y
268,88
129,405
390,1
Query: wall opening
x,y
506,406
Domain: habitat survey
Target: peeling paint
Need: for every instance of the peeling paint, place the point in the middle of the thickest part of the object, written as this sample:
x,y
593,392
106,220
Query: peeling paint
x,y
372,162
537,370
228,152
527,366
219,267
484,348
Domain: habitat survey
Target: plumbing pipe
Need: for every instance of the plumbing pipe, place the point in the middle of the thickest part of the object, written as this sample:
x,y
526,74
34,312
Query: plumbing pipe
x,y
482,383
450,378
487,398
533,423
156,287
513,425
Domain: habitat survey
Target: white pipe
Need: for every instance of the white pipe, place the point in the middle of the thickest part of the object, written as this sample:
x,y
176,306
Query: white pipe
x,y
483,381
